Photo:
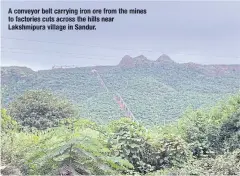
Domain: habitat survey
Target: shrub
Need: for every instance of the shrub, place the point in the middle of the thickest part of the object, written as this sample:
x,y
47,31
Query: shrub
x,y
227,164
131,142
40,109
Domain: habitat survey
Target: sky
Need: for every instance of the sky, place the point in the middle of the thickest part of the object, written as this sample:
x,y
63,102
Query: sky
x,y
201,32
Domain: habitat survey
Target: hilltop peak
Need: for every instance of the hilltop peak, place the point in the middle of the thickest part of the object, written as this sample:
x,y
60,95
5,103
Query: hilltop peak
x,y
165,59
142,57
126,57
129,62
126,61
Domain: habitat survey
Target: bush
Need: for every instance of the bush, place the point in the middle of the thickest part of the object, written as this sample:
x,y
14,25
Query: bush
x,y
227,164
7,123
229,135
131,142
128,141
172,151
206,132
40,109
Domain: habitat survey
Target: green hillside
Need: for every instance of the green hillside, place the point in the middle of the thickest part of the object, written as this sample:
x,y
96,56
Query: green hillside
x,y
154,91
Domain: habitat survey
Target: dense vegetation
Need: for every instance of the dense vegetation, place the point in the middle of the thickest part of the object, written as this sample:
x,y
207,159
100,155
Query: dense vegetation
x,y
63,122
155,93
200,142
40,109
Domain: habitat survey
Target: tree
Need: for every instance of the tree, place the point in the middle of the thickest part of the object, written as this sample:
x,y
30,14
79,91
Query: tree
x,y
8,128
40,109
7,123
229,135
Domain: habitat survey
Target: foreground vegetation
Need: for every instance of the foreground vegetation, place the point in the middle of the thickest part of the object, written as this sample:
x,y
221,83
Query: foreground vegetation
x,y
43,135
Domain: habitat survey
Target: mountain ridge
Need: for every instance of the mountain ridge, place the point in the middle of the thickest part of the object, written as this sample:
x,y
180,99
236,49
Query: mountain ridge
x,y
141,60
211,69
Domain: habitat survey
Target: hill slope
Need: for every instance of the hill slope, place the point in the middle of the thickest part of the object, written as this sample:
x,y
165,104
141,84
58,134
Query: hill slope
x,y
153,90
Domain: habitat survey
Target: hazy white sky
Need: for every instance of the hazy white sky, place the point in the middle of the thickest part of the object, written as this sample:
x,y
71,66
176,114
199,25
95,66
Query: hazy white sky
x,y
201,32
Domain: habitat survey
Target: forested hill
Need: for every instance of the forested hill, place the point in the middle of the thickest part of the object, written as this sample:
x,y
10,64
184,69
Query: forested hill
x,y
153,90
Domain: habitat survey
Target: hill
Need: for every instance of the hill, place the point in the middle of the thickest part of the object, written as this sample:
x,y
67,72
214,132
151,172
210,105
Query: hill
x,y
153,90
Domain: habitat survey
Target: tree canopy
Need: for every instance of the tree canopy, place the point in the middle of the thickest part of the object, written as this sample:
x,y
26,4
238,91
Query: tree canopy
x,y
40,109
201,142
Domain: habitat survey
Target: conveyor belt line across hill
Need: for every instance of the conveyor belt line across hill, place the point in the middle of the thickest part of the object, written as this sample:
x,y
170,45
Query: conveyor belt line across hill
x,y
117,97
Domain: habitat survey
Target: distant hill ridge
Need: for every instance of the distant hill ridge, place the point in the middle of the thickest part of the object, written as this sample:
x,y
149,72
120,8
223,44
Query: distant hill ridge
x,y
130,62
141,61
